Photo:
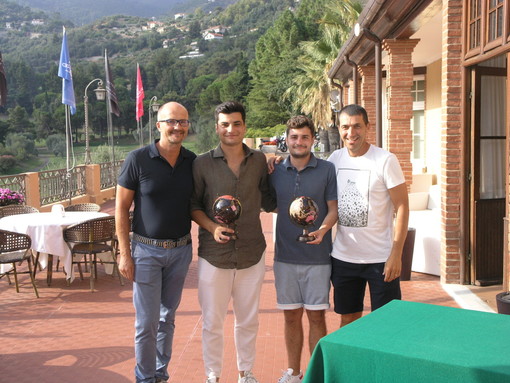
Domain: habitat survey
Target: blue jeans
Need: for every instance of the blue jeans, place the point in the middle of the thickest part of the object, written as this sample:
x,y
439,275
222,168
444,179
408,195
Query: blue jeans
x,y
157,291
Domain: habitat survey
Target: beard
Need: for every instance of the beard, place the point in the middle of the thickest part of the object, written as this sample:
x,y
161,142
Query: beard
x,y
295,154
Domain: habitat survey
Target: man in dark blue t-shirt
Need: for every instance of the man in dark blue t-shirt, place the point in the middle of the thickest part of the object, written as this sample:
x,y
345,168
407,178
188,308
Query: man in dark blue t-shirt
x,y
158,179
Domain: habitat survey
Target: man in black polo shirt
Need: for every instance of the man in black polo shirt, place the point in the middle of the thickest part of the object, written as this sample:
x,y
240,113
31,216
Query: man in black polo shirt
x,y
158,179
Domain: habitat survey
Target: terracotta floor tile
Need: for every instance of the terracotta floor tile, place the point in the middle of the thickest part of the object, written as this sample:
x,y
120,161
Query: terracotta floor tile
x,y
71,335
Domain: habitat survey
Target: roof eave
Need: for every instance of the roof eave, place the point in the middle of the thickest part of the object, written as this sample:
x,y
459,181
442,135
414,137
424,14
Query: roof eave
x,y
387,19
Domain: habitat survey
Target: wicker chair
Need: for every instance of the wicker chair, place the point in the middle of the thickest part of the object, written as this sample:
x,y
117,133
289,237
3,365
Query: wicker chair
x,y
83,207
92,237
91,207
16,209
14,248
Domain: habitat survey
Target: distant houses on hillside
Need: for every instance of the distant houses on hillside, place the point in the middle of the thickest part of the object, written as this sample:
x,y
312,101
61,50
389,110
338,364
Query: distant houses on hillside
x,y
212,36
214,33
195,53
16,25
159,26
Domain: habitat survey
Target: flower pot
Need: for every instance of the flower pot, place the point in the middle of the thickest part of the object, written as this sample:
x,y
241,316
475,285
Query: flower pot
x,y
503,303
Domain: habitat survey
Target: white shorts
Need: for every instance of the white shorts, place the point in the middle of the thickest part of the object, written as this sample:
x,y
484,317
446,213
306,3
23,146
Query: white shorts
x,y
302,286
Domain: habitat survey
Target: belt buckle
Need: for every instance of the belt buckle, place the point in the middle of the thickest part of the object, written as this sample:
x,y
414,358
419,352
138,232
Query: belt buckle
x,y
166,244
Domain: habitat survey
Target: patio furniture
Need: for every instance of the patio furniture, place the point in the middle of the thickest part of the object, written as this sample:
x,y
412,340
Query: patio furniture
x,y
8,210
415,342
45,230
83,207
15,248
92,237
89,206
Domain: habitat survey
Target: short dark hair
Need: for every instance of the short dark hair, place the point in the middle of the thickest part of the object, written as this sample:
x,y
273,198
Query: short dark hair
x,y
355,110
299,122
230,107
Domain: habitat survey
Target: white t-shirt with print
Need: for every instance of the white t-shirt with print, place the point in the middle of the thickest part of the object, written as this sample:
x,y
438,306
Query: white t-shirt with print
x,y
365,211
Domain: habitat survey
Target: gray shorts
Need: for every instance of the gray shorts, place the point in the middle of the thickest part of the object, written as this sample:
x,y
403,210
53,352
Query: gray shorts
x,y
302,286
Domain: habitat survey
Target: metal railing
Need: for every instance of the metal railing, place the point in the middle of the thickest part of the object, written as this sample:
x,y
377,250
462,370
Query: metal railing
x,y
59,185
109,174
15,183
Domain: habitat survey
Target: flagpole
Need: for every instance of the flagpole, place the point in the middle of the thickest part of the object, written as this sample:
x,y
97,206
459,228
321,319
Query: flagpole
x,y
68,151
109,89
65,72
3,83
140,132
110,136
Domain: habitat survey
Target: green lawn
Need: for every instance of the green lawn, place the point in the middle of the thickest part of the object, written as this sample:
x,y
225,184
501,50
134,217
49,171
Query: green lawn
x,y
48,161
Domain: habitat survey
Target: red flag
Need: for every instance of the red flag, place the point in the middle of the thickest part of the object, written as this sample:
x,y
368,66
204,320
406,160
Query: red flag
x,y
140,95
3,83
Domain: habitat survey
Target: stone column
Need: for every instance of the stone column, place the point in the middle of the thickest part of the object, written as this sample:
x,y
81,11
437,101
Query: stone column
x,y
33,195
93,183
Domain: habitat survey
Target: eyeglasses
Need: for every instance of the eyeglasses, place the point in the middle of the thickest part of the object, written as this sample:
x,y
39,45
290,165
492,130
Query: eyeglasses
x,y
172,122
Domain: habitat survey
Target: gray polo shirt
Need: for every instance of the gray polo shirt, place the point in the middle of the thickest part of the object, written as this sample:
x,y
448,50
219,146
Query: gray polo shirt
x,y
213,178
317,181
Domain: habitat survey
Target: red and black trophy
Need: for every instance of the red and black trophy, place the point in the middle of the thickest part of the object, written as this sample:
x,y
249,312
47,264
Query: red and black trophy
x,y
303,211
227,209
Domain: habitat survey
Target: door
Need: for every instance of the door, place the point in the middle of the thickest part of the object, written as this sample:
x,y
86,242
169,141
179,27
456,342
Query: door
x,y
487,186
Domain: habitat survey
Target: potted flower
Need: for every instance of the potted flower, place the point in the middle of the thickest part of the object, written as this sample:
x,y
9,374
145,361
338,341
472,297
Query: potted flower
x,y
10,197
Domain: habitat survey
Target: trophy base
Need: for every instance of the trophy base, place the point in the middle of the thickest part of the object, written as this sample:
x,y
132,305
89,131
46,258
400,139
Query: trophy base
x,y
232,236
305,238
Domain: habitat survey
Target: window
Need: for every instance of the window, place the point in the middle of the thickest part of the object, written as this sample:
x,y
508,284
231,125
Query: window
x,y
418,155
475,23
418,127
485,24
495,18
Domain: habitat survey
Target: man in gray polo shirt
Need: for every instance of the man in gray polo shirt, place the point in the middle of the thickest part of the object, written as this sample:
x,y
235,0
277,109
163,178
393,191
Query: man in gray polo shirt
x,y
302,269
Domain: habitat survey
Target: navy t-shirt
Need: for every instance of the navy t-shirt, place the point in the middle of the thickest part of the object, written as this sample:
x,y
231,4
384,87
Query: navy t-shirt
x,y
162,192
317,181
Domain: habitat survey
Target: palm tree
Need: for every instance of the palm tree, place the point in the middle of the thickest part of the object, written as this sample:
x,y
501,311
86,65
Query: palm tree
x,y
311,88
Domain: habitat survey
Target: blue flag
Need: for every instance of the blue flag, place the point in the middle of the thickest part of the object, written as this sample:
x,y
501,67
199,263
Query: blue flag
x,y
64,71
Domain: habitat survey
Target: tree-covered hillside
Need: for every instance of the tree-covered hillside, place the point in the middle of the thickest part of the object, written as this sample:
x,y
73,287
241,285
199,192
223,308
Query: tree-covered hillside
x,y
85,12
256,55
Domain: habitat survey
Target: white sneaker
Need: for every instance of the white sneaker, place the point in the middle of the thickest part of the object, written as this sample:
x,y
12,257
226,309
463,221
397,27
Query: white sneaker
x,y
211,378
287,377
248,378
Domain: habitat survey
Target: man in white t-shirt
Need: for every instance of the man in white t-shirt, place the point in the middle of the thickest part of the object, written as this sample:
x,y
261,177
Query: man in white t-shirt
x,y
373,212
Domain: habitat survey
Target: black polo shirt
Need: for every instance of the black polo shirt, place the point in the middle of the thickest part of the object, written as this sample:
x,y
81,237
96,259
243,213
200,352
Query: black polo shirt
x,y
162,192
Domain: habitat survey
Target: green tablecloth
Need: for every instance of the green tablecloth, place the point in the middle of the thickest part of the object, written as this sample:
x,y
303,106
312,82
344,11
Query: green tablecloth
x,y
414,342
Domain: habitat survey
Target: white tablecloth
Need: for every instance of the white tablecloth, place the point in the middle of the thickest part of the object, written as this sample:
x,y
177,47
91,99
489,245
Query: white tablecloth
x,y
46,232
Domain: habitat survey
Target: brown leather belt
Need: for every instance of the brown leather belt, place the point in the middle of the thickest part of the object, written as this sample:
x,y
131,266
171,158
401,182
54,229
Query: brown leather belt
x,y
164,243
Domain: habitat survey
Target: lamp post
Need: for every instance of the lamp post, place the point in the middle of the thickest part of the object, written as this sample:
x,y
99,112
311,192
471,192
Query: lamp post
x,y
100,95
153,107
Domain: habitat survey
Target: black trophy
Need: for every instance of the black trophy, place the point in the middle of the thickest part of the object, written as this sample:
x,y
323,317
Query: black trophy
x,y
303,211
227,210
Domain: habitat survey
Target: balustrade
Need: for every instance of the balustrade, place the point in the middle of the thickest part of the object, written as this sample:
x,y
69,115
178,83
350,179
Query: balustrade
x,y
85,183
